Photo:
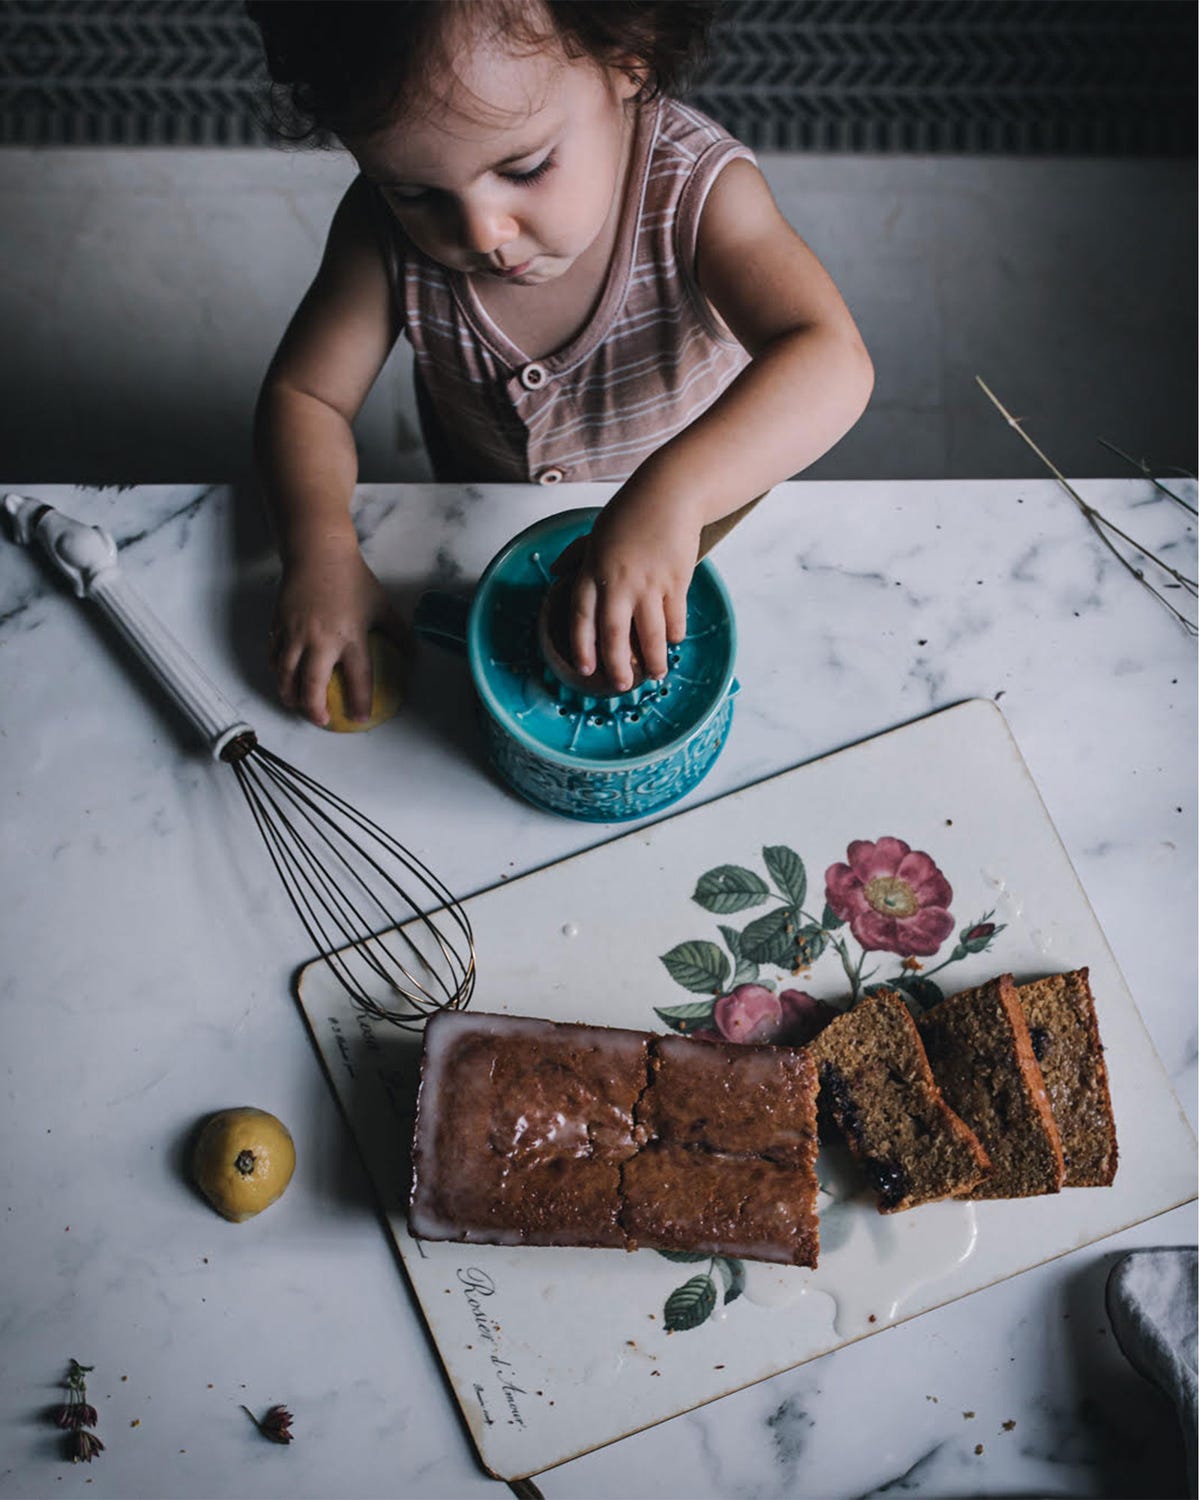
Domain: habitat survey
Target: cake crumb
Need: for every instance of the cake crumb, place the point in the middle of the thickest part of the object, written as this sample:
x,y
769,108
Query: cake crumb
x,y
978,1449
137,1422
718,1367
1009,1425
870,1317
656,1372
968,1416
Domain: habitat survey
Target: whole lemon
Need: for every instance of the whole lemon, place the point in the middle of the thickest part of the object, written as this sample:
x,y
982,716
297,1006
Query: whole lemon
x,y
242,1161
389,677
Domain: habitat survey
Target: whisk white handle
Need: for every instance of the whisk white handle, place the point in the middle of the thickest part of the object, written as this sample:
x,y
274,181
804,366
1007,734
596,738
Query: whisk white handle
x,y
87,557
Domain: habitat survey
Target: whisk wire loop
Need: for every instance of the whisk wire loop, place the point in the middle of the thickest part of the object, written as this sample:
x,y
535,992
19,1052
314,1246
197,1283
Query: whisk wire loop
x,y
291,809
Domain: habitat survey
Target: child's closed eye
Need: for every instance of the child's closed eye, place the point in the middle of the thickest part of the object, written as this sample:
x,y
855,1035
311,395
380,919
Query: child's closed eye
x,y
533,174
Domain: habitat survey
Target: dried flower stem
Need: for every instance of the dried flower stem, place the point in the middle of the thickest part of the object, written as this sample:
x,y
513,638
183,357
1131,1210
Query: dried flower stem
x,y
78,1415
1145,470
1098,523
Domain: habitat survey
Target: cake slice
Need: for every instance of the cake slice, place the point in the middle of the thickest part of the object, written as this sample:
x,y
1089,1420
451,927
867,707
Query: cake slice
x,y
522,1128
980,1051
728,1097
731,1165
686,1198
877,1084
1061,1015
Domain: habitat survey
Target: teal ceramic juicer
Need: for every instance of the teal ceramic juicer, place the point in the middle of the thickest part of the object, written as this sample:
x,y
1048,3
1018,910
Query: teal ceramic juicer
x,y
569,744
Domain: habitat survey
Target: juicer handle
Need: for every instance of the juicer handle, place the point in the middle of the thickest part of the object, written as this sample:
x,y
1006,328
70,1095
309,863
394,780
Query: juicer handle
x,y
441,617
87,557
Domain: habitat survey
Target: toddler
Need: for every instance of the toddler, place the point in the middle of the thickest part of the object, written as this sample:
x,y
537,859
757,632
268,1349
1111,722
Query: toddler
x,y
596,284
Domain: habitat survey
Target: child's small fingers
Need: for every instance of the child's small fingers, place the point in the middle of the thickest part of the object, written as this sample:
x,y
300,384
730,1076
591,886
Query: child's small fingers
x,y
675,610
651,625
612,632
285,661
312,685
583,625
357,679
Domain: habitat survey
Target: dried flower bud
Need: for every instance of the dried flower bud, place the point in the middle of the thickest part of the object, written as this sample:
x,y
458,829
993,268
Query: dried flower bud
x,y
86,1446
275,1426
75,1414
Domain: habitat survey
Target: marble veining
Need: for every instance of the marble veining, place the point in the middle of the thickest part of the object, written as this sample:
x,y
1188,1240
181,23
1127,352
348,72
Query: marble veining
x,y
148,956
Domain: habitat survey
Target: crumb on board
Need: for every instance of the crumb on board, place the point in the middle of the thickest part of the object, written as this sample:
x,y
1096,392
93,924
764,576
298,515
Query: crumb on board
x,y
978,1449
968,1416
1009,1425
137,1422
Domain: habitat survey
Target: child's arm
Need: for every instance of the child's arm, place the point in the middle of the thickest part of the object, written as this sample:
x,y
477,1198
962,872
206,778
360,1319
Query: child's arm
x,y
807,384
333,349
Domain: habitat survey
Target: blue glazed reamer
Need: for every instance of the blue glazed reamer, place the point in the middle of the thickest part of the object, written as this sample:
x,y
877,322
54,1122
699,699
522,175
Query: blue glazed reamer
x,y
603,759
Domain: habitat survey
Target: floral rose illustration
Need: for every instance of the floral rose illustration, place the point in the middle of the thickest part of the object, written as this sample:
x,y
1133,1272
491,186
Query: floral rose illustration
x,y
752,1014
894,897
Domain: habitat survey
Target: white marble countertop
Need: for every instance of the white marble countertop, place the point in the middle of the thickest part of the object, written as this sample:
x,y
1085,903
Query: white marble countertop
x,y
148,955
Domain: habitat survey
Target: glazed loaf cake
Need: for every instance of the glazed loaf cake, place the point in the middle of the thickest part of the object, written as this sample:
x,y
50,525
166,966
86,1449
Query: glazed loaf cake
x,y
876,1083
981,1054
533,1132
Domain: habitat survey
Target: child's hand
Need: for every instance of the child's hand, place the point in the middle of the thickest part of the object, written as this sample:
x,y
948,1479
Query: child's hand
x,y
322,615
633,580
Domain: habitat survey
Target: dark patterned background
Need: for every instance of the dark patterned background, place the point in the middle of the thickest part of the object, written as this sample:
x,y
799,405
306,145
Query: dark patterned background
x,y
1115,77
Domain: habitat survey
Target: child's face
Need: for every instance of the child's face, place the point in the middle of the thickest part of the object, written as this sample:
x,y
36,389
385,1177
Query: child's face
x,y
512,169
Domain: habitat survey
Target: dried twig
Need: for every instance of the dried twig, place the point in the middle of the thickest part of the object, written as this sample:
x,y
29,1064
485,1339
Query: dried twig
x,y
1102,526
1145,470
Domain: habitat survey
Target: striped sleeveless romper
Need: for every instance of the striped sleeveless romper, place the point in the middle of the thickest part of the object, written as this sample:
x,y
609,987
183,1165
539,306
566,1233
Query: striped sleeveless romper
x,y
649,361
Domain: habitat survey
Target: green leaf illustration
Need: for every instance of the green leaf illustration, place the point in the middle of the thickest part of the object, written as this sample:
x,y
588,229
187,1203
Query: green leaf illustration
x,y
787,871
745,970
830,920
686,1018
730,888
809,944
733,1273
686,1257
699,966
923,991
770,939
690,1305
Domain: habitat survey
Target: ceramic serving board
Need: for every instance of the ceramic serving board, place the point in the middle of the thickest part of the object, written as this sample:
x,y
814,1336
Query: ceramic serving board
x,y
551,1352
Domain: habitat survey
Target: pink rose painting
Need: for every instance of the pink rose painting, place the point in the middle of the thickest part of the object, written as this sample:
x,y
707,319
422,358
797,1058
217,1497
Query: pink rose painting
x,y
752,1013
894,898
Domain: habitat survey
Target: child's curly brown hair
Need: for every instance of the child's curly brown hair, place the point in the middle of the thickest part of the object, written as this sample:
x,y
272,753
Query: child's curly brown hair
x,y
348,68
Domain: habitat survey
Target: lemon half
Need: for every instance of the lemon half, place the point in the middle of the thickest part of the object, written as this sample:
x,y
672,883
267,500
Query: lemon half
x,y
243,1160
389,678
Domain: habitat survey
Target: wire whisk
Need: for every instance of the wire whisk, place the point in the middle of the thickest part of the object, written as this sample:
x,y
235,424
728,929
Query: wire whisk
x,y
390,931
